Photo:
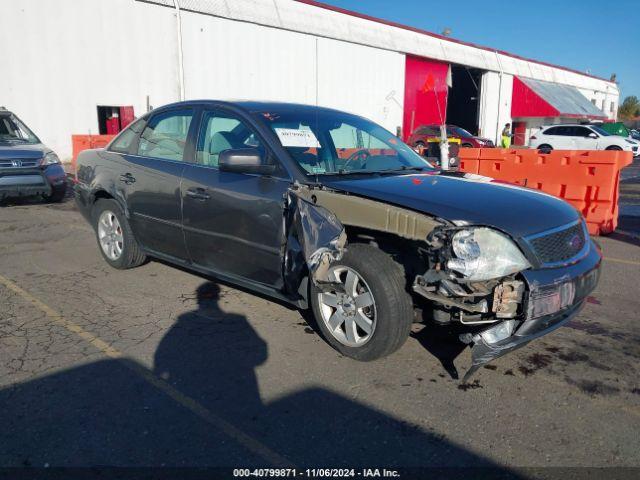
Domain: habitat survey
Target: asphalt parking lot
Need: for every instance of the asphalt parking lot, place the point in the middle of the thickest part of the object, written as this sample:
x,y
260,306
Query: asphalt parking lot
x,y
157,366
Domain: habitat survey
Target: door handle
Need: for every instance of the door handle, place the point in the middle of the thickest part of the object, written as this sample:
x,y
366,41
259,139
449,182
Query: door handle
x,y
198,194
127,178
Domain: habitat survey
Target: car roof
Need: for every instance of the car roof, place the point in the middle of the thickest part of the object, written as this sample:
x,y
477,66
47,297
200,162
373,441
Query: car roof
x,y
569,125
252,105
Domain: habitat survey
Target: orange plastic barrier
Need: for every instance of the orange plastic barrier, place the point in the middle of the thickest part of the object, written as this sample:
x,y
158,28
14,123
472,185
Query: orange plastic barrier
x,y
587,179
85,142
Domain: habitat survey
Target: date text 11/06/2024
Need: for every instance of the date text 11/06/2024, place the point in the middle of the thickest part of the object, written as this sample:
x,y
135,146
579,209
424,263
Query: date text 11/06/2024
x,y
317,472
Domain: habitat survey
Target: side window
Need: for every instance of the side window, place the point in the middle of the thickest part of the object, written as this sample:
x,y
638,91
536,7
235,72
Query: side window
x,y
222,131
165,136
581,132
551,131
123,143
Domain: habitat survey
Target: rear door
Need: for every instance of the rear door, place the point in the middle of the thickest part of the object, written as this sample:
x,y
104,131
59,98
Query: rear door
x,y
559,138
233,222
152,177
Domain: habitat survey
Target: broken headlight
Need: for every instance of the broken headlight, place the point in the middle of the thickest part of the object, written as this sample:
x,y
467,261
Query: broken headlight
x,y
484,254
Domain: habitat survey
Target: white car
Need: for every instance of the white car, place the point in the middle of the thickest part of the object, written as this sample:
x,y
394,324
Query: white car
x,y
580,137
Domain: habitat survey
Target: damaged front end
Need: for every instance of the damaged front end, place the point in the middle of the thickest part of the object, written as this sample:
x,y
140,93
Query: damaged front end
x,y
315,239
476,277
479,277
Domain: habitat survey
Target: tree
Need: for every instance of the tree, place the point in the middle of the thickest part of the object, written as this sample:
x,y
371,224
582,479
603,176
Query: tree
x,y
630,108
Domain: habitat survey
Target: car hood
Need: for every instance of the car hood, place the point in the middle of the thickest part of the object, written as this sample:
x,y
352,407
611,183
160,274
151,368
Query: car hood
x,y
23,151
458,197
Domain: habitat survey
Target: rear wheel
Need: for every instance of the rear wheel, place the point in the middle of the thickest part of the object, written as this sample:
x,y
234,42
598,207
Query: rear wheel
x,y
369,315
614,147
544,148
466,145
115,238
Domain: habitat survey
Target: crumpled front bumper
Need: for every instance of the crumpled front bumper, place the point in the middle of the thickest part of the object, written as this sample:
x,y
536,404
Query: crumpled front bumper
x,y
582,277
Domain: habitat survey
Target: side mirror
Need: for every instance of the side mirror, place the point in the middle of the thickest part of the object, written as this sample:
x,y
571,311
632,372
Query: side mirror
x,y
592,135
244,160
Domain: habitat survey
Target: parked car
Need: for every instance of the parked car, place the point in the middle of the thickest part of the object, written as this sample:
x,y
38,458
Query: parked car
x,y
420,137
329,211
580,137
615,128
27,167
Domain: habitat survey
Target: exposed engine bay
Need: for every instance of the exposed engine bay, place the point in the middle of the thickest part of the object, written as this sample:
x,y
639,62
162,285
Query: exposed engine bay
x,y
471,275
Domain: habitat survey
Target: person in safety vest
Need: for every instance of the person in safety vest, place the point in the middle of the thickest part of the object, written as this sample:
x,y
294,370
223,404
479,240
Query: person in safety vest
x,y
506,136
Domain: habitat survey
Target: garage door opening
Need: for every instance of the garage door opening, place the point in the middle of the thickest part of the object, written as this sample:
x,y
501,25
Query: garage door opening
x,y
464,98
112,119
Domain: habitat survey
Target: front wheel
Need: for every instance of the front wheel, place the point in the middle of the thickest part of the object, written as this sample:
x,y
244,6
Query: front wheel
x,y
369,313
614,147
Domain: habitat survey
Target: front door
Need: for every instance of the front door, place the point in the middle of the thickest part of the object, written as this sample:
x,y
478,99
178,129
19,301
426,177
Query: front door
x,y
153,177
233,222
582,139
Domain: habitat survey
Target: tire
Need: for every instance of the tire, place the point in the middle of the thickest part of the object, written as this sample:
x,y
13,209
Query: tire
x,y
466,145
544,148
129,255
390,311
56,196
613,147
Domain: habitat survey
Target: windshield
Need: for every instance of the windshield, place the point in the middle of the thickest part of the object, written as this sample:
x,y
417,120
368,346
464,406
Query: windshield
x,y
13,130
459,132
602,132
330,143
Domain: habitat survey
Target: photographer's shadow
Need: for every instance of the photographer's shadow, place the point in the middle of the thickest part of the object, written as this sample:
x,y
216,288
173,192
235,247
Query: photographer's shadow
x,y
211,356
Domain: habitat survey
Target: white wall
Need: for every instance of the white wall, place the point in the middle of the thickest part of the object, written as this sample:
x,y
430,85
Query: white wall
x,y
362,80
309,19
603,100
495,104
226,59
67,57
70,56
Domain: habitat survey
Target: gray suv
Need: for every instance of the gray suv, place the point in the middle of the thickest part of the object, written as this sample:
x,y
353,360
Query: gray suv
x,y
27,166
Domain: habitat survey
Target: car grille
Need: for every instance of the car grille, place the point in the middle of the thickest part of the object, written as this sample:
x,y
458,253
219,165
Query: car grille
x,y
559,246
17,163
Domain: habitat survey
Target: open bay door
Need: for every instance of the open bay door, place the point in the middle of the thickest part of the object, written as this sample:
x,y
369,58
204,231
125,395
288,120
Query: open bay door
x,y
495,104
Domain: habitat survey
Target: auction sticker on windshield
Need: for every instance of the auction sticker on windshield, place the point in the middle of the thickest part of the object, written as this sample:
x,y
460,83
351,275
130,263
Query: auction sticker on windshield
x,y
292,137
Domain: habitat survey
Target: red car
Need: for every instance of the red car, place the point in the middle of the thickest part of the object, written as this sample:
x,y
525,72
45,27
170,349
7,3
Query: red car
x,y
421,135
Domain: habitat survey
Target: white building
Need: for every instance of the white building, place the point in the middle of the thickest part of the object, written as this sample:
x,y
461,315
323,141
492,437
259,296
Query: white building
x,y
72,64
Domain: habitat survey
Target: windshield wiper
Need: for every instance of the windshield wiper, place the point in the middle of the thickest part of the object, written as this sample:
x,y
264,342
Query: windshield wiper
x,y
404,168
343,171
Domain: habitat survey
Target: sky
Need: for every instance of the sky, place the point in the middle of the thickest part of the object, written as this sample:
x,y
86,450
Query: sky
x,y
587,35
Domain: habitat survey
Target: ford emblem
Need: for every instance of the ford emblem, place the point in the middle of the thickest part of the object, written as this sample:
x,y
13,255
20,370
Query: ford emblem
x,y
575,242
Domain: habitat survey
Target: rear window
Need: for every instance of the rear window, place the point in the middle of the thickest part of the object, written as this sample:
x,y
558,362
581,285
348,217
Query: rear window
x,y
558,131
123,143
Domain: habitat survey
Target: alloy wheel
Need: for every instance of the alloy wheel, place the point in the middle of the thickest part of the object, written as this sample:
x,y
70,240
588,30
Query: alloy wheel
x,y
349,311
110,235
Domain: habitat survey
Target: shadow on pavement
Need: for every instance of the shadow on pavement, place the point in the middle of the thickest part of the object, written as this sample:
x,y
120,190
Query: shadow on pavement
x,y
106,414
